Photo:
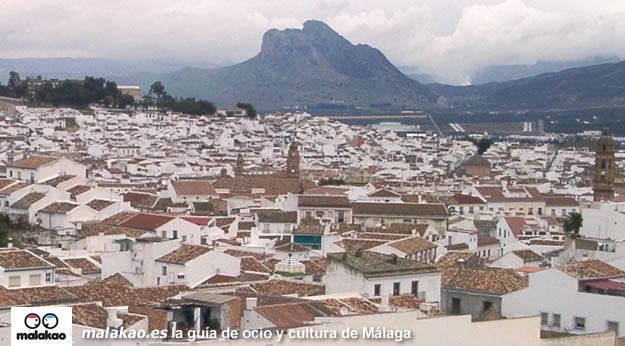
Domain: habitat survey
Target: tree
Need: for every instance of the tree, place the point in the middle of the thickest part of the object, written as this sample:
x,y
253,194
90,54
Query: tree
x,y
573,224
158,89
483,145
251,112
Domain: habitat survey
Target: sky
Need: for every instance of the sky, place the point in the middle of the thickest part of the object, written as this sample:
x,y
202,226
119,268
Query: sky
x,y
449,39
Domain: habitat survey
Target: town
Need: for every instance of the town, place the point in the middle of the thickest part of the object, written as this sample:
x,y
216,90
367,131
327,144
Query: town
x,y
149,220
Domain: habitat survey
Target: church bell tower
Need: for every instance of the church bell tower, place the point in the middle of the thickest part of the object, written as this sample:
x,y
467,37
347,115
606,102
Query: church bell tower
x,y
292,161
603,181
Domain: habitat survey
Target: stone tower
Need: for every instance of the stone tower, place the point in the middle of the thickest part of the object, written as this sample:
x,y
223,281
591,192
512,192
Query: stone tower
x,y
239,168
292,161
603,181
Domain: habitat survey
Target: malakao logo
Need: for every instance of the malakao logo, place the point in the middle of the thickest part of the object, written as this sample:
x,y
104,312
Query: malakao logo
x,y
50,325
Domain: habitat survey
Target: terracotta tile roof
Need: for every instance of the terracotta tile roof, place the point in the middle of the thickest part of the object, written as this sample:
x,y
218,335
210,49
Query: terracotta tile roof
x,y
327,190
405,302
33,162
244,277
246,225
58,180
495,194
400,209
384,193
224,221
303,228
99,204
214,207
140,200
292,247
412,245
359,244
485,240
6,182
251,264
34,296
111,294
89,315
241,254
272,185
466,199
86,266
59,208
13,188
487,280
118,280
527,255
58,263
193,187
381,236
146,221
316,267
276,216
457,247
448,264
21,259
591,269
294,315
347,227
278,287
516,224
374,265
561,202
78,190
28,200
355,305
323,201
118,218
184,253
94,229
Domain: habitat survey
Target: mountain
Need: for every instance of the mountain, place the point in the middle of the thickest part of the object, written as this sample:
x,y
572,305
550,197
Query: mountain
x,y
511,72
598,85
78,68
300,67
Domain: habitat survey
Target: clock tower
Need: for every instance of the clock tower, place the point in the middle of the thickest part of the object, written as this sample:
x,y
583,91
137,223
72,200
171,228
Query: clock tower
x,y
603,181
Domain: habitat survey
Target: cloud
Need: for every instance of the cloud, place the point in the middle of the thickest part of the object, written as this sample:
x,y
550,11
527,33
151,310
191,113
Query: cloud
x,y
448,38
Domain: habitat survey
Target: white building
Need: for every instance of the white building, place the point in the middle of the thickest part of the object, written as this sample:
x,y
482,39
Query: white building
x,y
375,274
581,297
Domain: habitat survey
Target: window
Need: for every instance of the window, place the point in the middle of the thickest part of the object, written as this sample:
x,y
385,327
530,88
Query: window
x,y
395,288
287,228
14,281
164,270
540,211
544,318
376,290
49,277
34,279
530,211
486,306
308,214
415,288
265,228
612,325
11,174
553,212
341,216
32,178
556,320
579,323
163,234
19,175
184,238
563,212
175,234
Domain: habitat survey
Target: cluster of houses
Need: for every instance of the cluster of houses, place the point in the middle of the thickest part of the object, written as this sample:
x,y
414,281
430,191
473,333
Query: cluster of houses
x,y
150,221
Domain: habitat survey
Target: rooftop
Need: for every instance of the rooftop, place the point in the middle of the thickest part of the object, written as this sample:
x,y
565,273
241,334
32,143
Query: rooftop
x,y
12,260
194,187
372,264
591,269
184,253
33,162
400,209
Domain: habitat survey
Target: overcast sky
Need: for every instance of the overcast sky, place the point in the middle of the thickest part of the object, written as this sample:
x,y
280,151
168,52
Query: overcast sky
x,y
448,38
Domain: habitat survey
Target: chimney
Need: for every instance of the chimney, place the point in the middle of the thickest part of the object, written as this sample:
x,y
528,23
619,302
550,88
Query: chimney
x,y
461,264
10,243
112,321
419,199
250,303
